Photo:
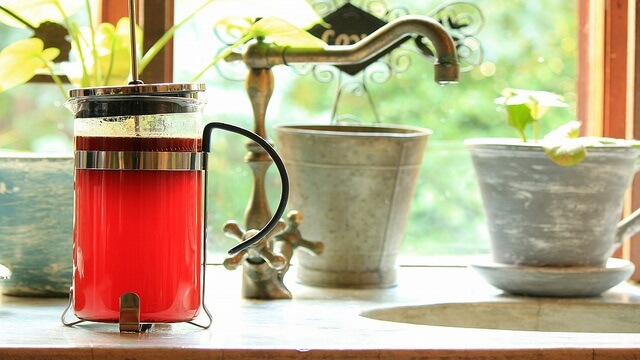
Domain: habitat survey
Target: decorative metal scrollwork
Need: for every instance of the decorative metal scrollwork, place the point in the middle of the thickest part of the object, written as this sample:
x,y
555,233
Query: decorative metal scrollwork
x,y
463,22
230,70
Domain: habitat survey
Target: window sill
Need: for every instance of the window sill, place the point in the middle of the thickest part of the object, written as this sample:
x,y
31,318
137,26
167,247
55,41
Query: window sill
x,y
316,324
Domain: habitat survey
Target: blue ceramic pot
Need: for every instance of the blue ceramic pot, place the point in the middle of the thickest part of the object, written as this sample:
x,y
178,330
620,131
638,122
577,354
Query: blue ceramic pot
x,y
36,223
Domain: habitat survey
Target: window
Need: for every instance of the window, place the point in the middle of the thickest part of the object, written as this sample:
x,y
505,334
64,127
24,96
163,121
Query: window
x,y
446,217
536,52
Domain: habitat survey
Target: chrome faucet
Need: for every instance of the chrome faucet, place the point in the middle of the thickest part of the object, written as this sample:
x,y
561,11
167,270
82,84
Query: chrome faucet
x,y
261,278
260,54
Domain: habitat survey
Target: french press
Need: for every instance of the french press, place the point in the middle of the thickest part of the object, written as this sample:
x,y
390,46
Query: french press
x,y
140,202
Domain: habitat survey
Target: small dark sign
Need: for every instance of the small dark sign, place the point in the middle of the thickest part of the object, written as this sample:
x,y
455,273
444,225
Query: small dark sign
x,y
350,24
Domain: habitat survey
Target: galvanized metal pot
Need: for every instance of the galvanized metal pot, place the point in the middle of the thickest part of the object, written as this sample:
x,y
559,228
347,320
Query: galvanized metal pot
x,y
36,223
353,186
543,214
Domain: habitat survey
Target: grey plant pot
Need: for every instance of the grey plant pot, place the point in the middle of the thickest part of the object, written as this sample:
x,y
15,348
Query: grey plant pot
x,y
36,223
542,214
353,186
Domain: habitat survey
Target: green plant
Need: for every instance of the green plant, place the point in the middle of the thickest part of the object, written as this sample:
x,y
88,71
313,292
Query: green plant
x,y
526,107
564,145
100,54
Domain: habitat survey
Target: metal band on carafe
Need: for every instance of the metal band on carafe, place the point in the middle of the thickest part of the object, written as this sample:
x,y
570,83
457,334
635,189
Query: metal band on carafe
x,y
139,160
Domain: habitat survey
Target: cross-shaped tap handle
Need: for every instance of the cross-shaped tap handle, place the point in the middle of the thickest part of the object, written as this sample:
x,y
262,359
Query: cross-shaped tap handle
x,y
261,249
293,236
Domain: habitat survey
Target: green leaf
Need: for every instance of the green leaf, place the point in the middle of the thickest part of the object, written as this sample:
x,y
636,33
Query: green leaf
x,y
283,33
36,12
566,153
518,117
277,30
56,36
538,102
564,146
50,54
20,61
569,130
535,103
519,96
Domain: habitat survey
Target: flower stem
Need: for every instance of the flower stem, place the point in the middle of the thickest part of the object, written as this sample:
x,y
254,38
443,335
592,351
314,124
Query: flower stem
x,y
55,77
222,55
17,17
73,32
522,135
165,38
111,61
94,50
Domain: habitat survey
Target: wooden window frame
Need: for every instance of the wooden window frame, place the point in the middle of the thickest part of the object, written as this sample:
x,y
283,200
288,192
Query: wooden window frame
x,y
608,88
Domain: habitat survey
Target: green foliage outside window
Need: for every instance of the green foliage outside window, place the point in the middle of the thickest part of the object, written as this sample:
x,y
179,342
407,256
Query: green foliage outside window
x,y
527,44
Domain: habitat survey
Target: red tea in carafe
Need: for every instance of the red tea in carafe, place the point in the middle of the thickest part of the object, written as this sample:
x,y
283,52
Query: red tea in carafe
x,y
138,231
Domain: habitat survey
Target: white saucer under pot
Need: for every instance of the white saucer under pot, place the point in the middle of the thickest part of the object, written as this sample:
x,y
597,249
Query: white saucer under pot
x,y
553,281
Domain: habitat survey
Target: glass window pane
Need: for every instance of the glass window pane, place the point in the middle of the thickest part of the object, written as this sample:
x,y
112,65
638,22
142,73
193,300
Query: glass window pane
x,y
32,117
535,51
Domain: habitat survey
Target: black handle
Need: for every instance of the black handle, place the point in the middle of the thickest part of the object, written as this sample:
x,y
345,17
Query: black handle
x,y
284,195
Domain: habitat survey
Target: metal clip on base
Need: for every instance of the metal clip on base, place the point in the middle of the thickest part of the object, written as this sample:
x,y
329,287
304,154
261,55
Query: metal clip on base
x,y
130,314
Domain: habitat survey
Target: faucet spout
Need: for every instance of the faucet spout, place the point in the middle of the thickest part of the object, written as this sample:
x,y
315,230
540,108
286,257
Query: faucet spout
x,y
446,68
